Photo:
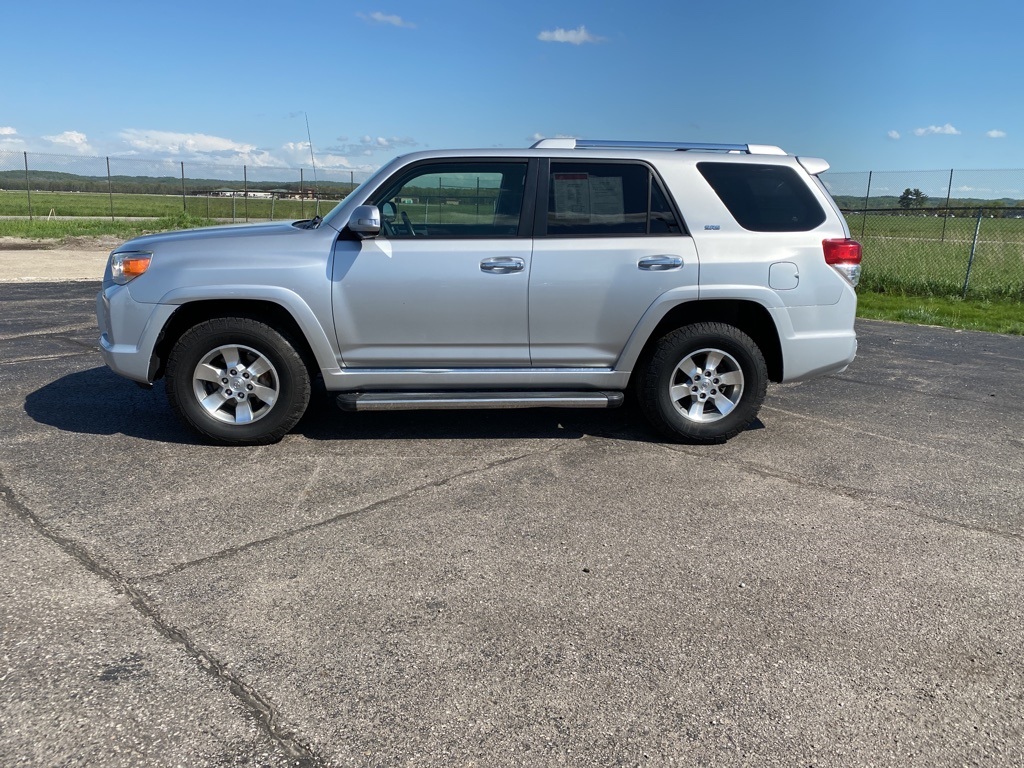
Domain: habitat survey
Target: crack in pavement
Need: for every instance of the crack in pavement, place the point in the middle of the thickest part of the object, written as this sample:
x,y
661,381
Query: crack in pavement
x,y
887,438
858,494
39,358
49,332
251,699
291,532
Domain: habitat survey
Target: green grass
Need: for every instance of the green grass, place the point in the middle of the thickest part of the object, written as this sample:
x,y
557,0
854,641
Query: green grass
x,y
156,206
971,315
61,228
910,255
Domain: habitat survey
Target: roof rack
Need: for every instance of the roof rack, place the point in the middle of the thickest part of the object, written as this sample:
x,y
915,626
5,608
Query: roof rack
x,y
678,146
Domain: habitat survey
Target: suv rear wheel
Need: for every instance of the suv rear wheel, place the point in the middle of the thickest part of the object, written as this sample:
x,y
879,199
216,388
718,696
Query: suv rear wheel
x,y
703,383
237,380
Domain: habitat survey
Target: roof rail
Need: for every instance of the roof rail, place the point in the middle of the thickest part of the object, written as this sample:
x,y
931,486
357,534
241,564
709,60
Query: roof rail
x,y
752,149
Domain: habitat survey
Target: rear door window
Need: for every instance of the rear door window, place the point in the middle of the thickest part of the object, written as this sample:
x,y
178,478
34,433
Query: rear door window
x,y
588,199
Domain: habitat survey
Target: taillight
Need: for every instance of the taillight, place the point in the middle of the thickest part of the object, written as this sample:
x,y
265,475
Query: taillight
x,y
843,255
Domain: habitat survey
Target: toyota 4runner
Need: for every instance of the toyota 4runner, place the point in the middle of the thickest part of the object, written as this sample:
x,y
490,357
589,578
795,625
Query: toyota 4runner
x,y
561,275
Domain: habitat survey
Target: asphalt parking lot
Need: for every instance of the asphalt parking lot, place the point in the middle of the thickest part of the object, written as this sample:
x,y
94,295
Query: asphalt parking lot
x,y
841,585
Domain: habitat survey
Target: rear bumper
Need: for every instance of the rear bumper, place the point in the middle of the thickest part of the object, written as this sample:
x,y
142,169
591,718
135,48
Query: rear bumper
x,y
817,340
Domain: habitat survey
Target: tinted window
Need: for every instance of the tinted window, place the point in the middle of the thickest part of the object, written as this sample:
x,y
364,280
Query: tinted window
x,y
764,198
588,199
454,200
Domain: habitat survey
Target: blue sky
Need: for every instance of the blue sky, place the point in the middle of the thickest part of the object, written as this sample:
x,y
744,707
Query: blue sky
x,y
868,86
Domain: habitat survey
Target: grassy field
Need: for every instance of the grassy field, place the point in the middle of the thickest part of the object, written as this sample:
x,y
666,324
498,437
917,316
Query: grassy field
x,y
969,315
910,255
156,206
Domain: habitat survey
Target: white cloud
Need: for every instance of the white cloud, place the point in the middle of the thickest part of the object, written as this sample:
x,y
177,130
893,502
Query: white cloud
x,y
996,134
170,142
75,140
576,36
9,139
538,136
931,130
386,18
895,135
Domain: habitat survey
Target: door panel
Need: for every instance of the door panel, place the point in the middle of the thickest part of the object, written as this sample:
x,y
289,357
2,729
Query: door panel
x,y
432,303
588,294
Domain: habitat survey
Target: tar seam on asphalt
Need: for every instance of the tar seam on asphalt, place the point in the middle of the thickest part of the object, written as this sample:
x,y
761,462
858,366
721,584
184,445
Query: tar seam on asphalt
x,y
264,711
283,535
849,492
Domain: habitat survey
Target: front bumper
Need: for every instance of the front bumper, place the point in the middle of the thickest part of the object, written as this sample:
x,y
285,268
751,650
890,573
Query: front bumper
x,y
129,331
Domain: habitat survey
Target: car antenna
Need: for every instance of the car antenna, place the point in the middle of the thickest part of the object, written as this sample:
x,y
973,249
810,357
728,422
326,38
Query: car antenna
x,y
316,186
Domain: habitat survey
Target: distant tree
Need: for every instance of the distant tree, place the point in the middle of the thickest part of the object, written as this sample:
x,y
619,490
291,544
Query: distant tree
x,y
912,198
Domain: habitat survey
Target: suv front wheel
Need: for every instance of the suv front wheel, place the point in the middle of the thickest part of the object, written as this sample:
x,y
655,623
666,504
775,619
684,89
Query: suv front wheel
x,y
238,381
703,383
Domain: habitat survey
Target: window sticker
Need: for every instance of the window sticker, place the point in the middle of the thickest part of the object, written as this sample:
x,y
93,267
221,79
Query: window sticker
x,y
572,196
582,198
606,200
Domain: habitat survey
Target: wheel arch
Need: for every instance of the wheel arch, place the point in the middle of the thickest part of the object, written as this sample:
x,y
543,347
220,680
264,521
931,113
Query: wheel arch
x,y
748,316
265,311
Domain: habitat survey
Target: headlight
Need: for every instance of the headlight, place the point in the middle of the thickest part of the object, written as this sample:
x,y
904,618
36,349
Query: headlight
x,y
125,266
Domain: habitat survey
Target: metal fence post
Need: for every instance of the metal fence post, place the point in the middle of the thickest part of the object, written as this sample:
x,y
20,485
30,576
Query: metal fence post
x,y
945,215
28,188
970,261
302,196
184,206
245,190
864,217
110,191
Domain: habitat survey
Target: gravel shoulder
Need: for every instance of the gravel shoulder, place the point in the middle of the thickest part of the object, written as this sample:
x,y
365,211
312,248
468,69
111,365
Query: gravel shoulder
x,y
73,258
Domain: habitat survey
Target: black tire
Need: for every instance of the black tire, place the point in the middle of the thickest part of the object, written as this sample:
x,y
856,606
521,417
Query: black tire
x,y
684,404
253,382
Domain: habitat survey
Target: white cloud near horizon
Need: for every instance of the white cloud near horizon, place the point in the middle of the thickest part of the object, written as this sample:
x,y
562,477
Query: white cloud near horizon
x,y
895,135
576,36
386,18
75,140
6,130
539,136
172,142
937,130
996,134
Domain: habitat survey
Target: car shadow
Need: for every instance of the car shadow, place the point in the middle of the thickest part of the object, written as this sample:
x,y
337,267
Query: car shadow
x,y
99,402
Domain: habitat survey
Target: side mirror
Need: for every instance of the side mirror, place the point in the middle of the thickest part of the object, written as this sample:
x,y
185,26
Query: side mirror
x,y
365,221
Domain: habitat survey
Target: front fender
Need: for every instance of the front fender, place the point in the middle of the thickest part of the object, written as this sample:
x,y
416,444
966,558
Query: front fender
x,y
291,302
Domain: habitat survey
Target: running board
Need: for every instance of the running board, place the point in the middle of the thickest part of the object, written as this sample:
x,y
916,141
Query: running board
x,y
409,401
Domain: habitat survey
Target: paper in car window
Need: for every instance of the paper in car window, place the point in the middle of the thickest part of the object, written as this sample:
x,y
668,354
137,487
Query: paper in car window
x,y
590,199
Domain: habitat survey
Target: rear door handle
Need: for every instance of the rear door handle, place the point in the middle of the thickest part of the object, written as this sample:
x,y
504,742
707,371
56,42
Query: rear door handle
x,y
660,263
502,265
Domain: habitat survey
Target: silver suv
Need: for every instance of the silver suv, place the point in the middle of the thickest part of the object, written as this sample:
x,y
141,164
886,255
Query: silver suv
x,y
563,275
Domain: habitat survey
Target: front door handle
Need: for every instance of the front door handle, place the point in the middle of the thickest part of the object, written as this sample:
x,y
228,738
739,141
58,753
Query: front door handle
x,y
660,263
502,265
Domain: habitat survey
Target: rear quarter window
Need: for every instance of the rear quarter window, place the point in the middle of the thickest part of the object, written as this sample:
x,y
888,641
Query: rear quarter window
x,y
764,198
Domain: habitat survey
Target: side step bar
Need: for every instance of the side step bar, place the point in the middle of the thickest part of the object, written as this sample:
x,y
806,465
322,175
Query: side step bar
x,y
409,401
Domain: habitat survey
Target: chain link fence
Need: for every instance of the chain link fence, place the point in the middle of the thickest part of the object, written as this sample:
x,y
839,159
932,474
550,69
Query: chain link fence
x,y
40,186
937,233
